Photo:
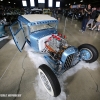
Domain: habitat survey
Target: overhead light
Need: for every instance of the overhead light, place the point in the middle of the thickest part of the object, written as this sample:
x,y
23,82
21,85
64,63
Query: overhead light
x,y
50,3
1,0
69,3
14,3
8,2
57,3
24,3
32,3
81,1
74,2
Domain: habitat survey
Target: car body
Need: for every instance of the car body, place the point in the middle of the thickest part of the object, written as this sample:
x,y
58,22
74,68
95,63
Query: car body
x,y
40,32
36,11
47,11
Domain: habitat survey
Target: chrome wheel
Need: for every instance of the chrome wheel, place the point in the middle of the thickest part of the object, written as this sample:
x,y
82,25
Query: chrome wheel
x,y
46,83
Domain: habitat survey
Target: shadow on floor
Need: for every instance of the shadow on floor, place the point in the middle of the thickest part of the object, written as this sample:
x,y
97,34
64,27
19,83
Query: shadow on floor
x,y
3,42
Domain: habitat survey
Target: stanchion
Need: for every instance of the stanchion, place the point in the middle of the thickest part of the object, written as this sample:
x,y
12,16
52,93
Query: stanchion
x,y
66,19
72,17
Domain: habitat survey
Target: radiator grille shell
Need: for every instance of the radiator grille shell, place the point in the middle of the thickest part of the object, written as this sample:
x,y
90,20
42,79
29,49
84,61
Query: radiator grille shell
x,y
71,61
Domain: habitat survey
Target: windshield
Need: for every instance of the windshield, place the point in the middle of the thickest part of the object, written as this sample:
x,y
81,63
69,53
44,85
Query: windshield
x,y
41,27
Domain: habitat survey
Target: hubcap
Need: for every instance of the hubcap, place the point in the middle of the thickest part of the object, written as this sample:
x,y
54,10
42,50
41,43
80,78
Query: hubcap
x,y
86,54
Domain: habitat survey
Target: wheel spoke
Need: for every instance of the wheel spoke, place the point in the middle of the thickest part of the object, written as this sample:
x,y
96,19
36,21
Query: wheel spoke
x,y
46,83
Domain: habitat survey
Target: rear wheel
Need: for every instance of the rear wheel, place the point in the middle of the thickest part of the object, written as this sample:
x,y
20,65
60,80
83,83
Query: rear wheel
x,y
88,53
49,80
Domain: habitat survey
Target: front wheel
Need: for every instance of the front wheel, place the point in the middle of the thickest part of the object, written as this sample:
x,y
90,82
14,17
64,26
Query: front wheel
x,y
49,80
88,53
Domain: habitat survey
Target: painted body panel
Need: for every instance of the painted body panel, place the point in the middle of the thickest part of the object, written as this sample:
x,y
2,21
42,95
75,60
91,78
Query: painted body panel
x,y
36,37
18,35
37,19
25,21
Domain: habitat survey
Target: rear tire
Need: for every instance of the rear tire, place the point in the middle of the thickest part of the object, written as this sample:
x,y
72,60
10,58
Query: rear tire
x,y
49,80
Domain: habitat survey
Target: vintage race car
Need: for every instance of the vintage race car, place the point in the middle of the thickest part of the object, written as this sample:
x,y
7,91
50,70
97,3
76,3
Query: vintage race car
x,y
40,32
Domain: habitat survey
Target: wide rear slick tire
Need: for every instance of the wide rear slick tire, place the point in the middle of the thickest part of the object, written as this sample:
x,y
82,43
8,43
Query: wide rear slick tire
x,y
49,80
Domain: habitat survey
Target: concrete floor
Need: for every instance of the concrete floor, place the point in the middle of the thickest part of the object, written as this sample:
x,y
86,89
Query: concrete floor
x,y
17,72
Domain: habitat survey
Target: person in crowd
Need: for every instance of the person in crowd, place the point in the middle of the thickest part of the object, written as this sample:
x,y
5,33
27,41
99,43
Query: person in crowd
x,y
99,28
59,12
97,24
87,13
92,18
70,12
54,12
66,12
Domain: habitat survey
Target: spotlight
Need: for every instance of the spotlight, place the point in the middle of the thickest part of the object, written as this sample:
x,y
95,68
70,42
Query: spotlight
x,y
81,1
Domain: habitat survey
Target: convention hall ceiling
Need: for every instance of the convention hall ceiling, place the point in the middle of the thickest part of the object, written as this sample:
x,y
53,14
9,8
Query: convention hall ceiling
x,y
63,2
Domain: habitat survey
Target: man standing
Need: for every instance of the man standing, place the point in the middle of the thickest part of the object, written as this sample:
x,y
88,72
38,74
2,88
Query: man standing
x,y
93,16
59,12
87,13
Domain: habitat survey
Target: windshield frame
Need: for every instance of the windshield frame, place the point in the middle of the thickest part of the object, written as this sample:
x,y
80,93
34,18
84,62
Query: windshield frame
x,y
49,24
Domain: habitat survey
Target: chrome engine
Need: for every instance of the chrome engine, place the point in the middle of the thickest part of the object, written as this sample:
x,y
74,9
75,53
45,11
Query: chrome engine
x,y
65,56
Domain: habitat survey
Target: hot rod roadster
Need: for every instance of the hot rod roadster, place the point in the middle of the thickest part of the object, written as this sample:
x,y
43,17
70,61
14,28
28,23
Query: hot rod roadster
x,y
40,32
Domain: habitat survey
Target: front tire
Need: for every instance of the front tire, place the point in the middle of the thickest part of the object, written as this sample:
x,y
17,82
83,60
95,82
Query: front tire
x,y
88,53
49,80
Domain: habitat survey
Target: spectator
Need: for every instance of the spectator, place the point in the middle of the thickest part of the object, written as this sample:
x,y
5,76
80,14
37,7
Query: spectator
x,y
99,28
93,16
97,24
66,12
59,12
87,13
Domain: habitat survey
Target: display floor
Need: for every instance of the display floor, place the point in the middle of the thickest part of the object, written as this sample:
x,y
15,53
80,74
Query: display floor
x,y
18,72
